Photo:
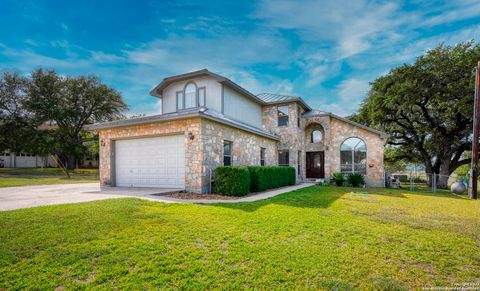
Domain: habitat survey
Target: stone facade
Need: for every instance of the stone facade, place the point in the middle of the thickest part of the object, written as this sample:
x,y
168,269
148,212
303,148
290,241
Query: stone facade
x,y
193,154
340,131
291,135
297,139
204,129
203,153
245,148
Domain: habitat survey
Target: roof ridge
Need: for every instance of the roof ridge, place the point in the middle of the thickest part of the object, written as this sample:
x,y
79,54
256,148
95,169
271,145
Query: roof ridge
x,y
278,94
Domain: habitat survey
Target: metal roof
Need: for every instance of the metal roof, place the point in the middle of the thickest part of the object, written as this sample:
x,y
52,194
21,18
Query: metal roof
x,y
272,98
157,91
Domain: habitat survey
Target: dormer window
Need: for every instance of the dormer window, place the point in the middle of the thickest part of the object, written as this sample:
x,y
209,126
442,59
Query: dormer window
x,y
191,97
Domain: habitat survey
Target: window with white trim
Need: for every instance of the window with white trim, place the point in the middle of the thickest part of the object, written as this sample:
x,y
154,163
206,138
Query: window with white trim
x,y
227,153
190,96
353,156
201,96
179,100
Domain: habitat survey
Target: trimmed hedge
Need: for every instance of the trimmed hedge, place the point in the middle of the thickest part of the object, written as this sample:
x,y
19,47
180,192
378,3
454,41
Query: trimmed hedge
x,y
232,181
264,178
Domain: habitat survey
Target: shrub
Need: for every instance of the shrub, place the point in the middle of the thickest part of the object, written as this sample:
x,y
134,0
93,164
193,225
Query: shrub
x,y
232,181
355,179
338,178
264,178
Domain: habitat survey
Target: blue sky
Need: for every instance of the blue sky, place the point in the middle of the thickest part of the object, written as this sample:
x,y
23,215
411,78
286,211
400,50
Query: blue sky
x,y
325,51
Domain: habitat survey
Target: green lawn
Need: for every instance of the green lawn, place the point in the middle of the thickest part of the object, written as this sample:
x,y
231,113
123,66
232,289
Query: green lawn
x,y
10,177
313,238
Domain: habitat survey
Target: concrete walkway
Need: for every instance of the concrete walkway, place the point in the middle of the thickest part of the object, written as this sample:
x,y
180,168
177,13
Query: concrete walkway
x,y
32,196
255,197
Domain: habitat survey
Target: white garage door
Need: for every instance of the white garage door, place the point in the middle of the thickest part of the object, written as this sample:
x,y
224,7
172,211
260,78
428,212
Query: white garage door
x,y
150,162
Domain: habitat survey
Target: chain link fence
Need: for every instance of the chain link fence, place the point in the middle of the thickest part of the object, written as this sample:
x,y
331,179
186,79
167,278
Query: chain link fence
x,y
421,181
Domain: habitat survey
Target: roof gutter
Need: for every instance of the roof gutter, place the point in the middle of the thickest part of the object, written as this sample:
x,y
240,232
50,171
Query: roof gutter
x,y
160,118
298,99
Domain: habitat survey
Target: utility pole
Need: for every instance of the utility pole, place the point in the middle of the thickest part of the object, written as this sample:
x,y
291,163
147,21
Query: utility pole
x,y
472,190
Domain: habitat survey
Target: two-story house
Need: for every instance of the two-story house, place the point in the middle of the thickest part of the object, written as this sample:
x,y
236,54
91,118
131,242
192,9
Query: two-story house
x,y
208,121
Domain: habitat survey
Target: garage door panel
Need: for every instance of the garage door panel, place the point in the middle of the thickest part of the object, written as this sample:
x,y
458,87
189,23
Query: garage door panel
x,y
151,162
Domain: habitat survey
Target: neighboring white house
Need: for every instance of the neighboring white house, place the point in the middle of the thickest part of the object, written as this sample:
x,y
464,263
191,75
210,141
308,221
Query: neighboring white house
x,y
12,160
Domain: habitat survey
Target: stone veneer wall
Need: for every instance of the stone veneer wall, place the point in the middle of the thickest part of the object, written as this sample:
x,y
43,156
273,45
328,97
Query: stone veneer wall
x,y
193,154
335,131
245,148
203,153
309,124
291,136
340,131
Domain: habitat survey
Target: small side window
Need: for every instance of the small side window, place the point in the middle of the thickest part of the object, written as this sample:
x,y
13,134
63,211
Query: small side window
x,y
298,117
227,153
262,156
283,158
316,136
299,158
179,100
282,112
201,96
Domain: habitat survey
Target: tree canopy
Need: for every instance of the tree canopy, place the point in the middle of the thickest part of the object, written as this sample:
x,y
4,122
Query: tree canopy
x,y
47,112
427,108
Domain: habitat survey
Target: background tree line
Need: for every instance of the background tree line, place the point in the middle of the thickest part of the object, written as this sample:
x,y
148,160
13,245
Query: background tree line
x,y
46,113
427,109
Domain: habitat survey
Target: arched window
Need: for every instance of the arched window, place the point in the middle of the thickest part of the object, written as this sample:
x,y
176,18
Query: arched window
x,y
316,136
353,156
190,95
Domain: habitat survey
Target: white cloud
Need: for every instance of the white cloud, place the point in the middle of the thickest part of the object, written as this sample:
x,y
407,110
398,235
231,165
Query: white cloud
x,y
451,11
339,46
352,26
351,93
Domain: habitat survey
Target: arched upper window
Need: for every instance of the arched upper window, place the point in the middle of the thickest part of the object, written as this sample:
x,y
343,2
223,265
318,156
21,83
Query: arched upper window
x,y
191,96
353,156
316,136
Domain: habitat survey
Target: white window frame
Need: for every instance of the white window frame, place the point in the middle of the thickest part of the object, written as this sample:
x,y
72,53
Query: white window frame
x,y
180,95
352,170
231,152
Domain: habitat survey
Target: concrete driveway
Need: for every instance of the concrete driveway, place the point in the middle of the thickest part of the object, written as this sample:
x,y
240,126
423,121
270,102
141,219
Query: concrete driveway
x,y
31,196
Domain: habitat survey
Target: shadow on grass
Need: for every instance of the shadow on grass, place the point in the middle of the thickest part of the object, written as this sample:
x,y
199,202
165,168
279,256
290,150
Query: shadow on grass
x,y
310,197
323,197
440,193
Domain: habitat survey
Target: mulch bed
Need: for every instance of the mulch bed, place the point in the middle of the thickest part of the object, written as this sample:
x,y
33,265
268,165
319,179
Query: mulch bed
x,y
187,195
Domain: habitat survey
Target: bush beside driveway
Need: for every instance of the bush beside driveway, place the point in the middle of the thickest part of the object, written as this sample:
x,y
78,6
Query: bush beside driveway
x,y
311,238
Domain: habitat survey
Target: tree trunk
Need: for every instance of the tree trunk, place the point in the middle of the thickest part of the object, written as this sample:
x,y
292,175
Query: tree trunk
x,y
70,162
429,173
443,175
442,181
